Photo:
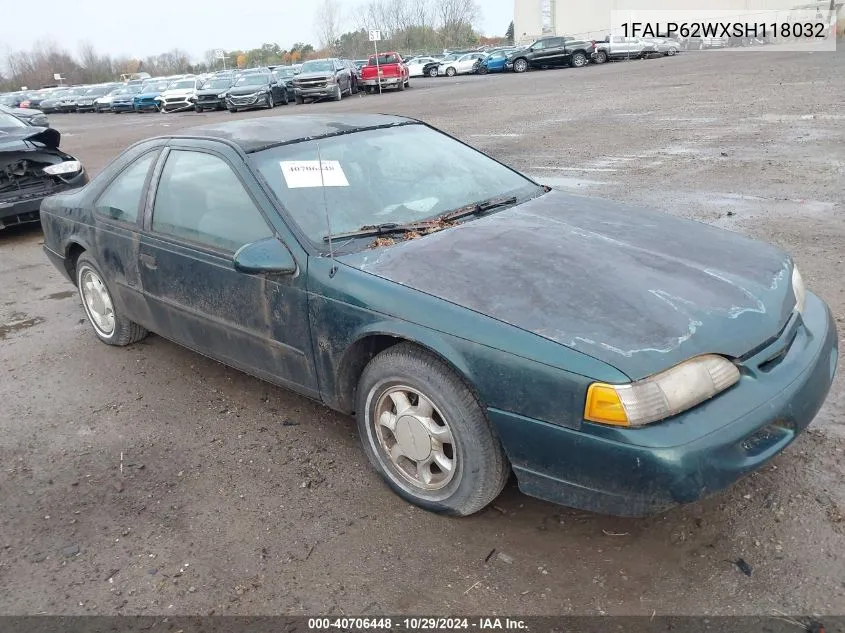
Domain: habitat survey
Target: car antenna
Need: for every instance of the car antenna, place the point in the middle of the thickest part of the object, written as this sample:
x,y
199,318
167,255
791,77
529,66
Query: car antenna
x,y
333,269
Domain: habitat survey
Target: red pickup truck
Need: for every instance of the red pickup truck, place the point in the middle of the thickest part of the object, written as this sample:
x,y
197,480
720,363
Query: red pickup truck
x,y
386,69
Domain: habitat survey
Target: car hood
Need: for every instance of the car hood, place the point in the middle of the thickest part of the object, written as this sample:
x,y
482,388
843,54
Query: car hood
x,y
212,91
246,90
45,135
181,92
308,76
639,290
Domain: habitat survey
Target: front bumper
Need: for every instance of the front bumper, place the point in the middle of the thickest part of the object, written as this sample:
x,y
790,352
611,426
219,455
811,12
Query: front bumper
x,y
321,92
146,104
636,472
25,207
122,107
179,103
85,107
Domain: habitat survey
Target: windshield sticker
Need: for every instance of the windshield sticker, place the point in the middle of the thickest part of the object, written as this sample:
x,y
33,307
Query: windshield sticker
x,y
306,173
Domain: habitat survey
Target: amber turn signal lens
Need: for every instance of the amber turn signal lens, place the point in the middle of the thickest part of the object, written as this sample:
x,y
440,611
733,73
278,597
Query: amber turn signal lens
x,y
605,406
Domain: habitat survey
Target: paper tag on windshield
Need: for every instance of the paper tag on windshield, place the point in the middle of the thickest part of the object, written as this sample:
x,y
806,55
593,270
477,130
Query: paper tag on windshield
x,y
306,173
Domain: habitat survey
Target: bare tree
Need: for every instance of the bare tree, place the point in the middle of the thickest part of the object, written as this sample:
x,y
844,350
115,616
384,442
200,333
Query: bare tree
x,y
456,19
328,25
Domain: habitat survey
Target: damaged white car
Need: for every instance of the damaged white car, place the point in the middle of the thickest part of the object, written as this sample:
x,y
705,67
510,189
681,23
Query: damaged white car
x,y
180,95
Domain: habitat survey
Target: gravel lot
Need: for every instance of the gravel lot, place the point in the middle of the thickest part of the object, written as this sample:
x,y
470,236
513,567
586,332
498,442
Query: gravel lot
x,y
151,480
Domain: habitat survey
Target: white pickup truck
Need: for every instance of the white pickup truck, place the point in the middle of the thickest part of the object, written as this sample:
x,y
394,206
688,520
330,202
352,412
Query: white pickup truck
x,y
620,47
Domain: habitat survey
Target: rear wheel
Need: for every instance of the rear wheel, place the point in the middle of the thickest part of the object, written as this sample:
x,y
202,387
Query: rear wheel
x,y
401,84
111,327
579,60
426,434
520,65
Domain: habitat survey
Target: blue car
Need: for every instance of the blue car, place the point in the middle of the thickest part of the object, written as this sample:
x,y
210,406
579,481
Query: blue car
x,y
493,63
146,98
123,100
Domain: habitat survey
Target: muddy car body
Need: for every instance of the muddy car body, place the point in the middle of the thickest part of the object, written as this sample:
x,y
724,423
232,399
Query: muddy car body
x,y
477,323
32,167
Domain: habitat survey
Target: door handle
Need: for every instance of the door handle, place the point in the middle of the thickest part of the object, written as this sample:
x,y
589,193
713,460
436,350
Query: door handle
x,y
149,261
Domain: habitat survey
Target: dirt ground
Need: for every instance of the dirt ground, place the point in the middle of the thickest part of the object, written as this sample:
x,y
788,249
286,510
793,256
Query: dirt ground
x,y
150,480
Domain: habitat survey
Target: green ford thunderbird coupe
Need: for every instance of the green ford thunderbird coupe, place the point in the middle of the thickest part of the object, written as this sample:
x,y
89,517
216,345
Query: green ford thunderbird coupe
x,y
476,323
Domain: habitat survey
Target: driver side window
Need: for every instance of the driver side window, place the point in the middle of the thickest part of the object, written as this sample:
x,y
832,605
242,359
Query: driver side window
x,y
201,199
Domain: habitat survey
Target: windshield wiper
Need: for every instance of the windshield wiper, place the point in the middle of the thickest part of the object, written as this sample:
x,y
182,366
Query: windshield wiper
x,y
391,228
478,208
388,228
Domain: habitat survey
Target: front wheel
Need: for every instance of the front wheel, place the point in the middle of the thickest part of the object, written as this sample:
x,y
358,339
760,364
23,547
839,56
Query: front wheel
x,y
299,100
482,70
671,52
426,434
579,60
338,93
433,72
520,66
601,57
111,327
197,108
269,103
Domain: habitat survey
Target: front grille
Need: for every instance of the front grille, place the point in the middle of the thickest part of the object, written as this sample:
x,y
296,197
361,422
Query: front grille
x,y
208,98
307,84
243,99
16,188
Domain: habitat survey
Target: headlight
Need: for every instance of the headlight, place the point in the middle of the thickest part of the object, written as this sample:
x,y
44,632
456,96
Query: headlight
x,y
67,167
798,290
662,395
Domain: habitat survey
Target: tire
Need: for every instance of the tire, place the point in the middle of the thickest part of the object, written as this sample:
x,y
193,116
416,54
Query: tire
x,y
479,468
285,97
354,88
338,93
601,57
198,108
579,60
482,70
400,86
520,65
671,52
299,100
231,109
451,72
269,102
97,109
433,72
92,287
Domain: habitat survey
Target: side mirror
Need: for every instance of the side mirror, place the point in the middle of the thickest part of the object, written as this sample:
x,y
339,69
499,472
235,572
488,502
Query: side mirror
x,y
268,256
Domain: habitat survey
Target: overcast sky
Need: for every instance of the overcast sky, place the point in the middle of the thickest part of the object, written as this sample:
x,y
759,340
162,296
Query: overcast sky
x,y
147,28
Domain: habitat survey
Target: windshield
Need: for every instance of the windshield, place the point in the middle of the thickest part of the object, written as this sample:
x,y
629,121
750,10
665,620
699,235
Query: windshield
x,y
7,121
154,87
285,72
182,84
99,90
365,188
253,80
216,83
318,66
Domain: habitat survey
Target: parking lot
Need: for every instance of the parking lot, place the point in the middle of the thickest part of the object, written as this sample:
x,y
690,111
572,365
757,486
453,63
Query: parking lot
x,y
149,479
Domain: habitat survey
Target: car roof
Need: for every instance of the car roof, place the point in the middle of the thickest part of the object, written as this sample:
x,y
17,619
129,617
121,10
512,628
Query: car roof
x,y
252,135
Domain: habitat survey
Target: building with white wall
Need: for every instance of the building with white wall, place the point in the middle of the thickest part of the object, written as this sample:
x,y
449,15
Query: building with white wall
x,y
591,19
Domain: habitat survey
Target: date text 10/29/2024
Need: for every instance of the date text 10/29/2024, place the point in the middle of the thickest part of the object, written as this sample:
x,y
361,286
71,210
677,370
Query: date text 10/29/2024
x,y
416,624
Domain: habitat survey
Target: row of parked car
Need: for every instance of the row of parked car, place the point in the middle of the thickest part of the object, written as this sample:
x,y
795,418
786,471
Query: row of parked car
x,y
546,52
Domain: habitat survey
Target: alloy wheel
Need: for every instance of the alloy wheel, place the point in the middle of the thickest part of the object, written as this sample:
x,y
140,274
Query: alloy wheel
x,y
97,301
413,439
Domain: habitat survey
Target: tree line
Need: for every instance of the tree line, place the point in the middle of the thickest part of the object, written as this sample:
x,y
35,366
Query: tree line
x,y
409,26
